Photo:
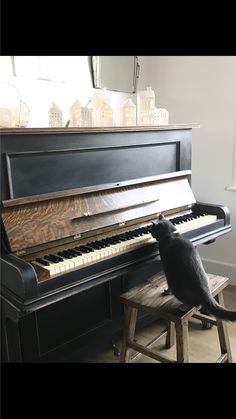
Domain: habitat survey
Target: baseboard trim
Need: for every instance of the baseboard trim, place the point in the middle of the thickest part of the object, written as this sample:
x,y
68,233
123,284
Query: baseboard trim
x,y
221,268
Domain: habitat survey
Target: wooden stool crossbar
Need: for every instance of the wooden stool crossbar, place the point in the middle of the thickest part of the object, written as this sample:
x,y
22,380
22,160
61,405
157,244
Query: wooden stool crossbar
x,y
149,297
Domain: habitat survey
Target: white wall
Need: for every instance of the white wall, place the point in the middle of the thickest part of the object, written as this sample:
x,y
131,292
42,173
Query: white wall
x,y
202,89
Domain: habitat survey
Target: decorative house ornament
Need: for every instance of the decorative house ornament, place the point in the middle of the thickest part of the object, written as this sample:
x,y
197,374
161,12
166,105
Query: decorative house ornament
x,y
161,116
14,116
55,116
86,117
102,111
81,116
146,107
128,114
75,114
106,116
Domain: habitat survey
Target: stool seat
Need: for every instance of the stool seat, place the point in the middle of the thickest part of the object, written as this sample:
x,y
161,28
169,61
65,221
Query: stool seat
x,y
149,297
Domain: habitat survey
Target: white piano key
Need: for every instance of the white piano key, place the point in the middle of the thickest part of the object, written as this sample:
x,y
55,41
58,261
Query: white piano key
x,y
52,268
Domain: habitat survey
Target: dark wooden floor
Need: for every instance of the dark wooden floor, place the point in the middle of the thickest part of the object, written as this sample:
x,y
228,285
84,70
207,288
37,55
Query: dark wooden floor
x,y
203,344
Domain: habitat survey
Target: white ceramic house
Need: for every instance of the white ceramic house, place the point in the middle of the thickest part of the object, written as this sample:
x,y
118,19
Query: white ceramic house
x,y
128,114
14,116
8,117
146,107
106,116
75,114
161,116
102,111
55,116
86,117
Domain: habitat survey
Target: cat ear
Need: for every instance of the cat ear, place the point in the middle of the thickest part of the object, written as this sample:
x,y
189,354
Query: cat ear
x,y
161,216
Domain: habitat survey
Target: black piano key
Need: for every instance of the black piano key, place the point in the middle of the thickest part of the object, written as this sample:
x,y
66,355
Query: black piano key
x,y
106,243
59,258
42,261
137,233
94,245
52,258
84,248
99,243
76,252
130,236
120,237
56,257
115,238
71,252
65,255
112,240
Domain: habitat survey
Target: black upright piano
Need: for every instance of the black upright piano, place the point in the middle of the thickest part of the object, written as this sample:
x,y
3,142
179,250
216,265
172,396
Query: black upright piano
x,y
76,207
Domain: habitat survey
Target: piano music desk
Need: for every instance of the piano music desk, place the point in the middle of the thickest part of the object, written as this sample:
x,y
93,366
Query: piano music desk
x,y
149,297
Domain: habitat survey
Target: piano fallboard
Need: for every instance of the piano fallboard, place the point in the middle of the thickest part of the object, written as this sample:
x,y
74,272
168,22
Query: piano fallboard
x,y
40,220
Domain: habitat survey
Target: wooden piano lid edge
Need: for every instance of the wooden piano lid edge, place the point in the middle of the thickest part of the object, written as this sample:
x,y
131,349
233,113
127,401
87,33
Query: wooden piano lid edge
x,y
91,189
63,130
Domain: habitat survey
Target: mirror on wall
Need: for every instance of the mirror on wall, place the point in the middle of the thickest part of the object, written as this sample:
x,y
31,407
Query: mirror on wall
x,y
116,73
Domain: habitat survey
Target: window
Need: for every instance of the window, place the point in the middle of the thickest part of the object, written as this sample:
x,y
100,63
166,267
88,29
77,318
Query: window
x,y
40,81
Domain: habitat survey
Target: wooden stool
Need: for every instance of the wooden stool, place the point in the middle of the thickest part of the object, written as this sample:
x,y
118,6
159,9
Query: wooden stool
x,y
150,298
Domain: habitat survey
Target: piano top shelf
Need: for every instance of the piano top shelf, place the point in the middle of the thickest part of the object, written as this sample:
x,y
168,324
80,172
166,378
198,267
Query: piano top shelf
x,y
99,130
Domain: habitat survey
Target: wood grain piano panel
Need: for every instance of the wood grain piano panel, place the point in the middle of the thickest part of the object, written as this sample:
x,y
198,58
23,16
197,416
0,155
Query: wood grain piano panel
x,y
29,225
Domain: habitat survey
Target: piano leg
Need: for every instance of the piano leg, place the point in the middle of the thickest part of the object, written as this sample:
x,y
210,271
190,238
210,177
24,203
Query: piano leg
x,y
10,334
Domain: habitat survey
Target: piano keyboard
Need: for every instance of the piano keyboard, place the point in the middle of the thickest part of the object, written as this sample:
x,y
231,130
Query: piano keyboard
x,y
95,251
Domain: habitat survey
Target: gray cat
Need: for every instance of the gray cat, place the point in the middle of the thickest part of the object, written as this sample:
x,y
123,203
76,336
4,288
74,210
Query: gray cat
x,y
185,274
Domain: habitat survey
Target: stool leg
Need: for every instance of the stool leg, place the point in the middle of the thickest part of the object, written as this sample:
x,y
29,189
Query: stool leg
x,y
170,337
182,340
223,331
129,332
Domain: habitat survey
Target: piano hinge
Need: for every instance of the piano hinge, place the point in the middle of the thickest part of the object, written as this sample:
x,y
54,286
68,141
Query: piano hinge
x,y
20,252
77,236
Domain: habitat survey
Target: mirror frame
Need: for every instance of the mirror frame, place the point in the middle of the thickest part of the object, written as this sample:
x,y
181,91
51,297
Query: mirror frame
x,y
95,62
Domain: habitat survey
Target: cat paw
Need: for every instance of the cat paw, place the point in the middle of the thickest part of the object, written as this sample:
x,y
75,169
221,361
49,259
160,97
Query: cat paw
x,y
167,291
206,325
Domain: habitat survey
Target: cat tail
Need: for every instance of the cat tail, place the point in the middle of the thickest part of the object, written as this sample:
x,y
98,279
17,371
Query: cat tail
x,y
218,311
